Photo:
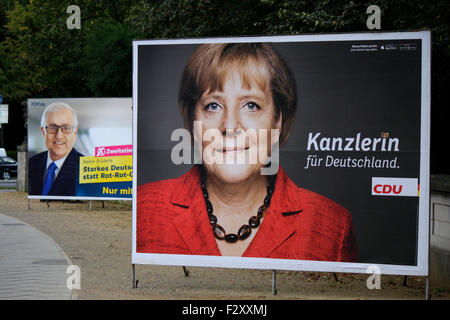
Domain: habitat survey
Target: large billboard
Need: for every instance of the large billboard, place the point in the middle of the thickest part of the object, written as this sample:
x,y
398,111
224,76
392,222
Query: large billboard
x,y
306,152
80,148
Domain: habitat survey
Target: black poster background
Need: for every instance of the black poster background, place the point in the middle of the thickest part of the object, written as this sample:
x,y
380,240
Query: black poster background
x,y
340,93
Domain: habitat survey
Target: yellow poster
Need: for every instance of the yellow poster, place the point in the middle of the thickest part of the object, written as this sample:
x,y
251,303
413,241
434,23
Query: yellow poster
x,y
106,169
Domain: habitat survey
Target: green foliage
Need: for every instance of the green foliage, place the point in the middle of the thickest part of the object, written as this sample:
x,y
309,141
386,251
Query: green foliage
x,y
108,59
5,5
203,18
41,57
35,47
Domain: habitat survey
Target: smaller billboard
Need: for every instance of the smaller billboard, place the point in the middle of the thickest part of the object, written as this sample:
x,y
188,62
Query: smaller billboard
x,y
80,148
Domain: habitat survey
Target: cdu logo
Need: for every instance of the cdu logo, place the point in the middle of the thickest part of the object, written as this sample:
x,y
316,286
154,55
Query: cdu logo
x,y
405,187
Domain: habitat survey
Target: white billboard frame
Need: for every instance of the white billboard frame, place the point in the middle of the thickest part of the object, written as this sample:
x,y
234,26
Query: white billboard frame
x,y
422,267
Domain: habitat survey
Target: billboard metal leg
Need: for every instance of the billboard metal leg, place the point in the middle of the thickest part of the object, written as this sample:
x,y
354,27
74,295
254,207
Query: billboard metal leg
x,y
133,276
335,277
90,205
29,204
103,204
274,282
186,272
427,288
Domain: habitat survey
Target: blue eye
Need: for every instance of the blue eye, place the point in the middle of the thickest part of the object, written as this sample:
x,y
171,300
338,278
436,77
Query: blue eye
x,y
213,107
251,106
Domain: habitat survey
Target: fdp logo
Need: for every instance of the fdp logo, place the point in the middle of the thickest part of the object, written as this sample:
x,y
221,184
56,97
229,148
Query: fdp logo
x,y
404,187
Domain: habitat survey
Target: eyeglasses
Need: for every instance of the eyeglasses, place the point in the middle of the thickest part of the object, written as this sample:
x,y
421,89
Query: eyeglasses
x,y
52,129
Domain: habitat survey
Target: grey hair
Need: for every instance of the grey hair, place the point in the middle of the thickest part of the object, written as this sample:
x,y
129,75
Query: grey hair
x,y
56,106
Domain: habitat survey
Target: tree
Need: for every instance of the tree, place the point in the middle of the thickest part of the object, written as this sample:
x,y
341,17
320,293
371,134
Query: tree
x,y
46,59
202,18
109,75
40,57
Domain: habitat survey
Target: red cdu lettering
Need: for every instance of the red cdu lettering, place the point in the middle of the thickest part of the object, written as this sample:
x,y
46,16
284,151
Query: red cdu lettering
x,y
376,189
397,187
397,191
387,188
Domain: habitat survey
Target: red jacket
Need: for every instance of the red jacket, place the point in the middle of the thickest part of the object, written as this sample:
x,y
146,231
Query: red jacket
x,y
299,224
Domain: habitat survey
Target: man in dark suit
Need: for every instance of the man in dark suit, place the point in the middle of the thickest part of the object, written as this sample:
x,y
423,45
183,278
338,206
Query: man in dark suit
x,y
55,172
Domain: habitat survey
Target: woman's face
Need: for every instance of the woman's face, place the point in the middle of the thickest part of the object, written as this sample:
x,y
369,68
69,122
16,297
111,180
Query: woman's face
x,y
236,125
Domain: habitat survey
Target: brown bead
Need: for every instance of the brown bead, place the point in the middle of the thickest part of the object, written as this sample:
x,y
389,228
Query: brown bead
x,y
219,232
261,211
231,237
209,207
253,222
267,201
212,219
244,232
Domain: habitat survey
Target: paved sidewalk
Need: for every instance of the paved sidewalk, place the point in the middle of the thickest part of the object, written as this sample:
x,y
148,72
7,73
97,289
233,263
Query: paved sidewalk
x,y
32,265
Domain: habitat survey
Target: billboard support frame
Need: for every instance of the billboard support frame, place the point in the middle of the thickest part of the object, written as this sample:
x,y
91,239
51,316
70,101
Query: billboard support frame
x,y
133,276
63,199
186,274
274,280
420,269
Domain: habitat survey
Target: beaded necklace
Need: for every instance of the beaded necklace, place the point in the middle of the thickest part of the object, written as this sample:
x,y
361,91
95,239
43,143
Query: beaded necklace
x,y
246,229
